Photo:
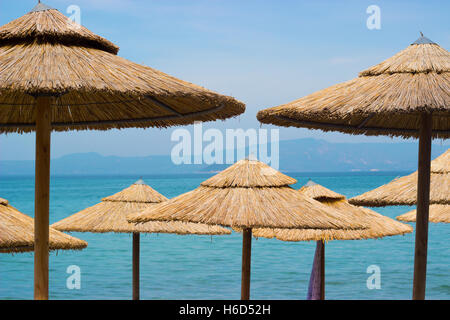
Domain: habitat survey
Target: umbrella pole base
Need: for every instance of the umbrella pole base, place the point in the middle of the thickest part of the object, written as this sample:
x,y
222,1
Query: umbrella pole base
x,y
316,288
136,254
246,263
423,203
322,269
42,197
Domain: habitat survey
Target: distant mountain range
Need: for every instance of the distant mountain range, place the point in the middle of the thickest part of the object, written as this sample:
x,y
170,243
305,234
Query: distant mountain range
x,y
302,155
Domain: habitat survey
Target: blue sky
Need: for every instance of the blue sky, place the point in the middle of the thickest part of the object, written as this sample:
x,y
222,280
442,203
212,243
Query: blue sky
x,y
262,52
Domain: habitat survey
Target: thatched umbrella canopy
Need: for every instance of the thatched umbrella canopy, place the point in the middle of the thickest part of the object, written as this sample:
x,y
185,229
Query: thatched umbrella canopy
x,y
406,95
17,233
403,191
247,195
110,216
438,213
379,226
57,75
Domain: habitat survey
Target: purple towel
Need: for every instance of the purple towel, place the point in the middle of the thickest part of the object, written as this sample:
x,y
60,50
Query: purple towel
x,y
315,281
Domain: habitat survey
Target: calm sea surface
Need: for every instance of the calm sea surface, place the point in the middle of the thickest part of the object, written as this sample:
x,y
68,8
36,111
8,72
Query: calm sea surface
x,y
204,267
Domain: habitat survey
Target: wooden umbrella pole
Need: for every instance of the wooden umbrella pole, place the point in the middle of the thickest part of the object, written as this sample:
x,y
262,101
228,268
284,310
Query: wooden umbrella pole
x,y
423,202
322,269
246,263
42,197
136,253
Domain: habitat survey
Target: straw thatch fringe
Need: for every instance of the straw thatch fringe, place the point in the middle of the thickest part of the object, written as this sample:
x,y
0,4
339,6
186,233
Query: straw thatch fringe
x,y
386,99
438,214
17,233
93,88
379,226
247,207
53,27
403,191
110,215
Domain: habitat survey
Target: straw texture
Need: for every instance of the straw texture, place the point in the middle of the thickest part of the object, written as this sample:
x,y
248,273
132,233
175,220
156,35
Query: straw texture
x,y
17,233
43,53
386,99
403,191
110,216
246,196
438,213
320,193
378,225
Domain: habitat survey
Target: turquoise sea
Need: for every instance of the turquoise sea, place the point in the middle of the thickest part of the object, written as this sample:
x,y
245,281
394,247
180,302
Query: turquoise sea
x,y
204,267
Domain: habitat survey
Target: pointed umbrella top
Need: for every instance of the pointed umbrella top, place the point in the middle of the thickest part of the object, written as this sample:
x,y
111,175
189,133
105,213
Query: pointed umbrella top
x,y
137,192
41,7
320,193
140,181
48,25
249,173
248,194
310,183
423,40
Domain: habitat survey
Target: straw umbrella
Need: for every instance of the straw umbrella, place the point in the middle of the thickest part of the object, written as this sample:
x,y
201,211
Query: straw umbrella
x,y
438,213
110,216
379,226
57,75
17,233
247,195
403,191
406,96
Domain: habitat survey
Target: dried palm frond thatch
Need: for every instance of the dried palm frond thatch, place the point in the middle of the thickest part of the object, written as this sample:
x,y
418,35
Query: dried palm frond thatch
x,y
248,194
379,226
110,215
439,213
403,191
43,52
386,99
17,233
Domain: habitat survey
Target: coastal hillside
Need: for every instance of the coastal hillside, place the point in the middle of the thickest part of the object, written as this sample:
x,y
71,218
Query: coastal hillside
x,y
302,155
